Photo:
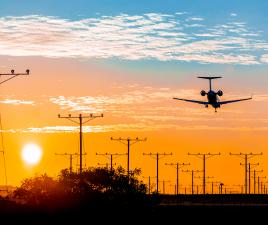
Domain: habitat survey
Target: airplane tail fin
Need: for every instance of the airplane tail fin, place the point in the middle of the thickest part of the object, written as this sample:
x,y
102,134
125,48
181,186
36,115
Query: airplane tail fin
x,y
209,78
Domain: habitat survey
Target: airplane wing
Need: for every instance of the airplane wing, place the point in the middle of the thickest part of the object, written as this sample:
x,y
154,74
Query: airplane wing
x,y
194,101
237,100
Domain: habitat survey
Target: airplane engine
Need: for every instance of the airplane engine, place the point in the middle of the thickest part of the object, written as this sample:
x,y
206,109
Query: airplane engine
x,y
203,93
219,93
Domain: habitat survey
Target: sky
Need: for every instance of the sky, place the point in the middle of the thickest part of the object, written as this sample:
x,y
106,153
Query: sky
x,y
127,60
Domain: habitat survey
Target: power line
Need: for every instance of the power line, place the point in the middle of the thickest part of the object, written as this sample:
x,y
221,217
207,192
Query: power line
x,y
110,155
178,166
128,142
204,156
80,121
246,157
157,164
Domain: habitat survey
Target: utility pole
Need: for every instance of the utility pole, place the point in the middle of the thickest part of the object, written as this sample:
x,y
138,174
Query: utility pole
x,y
71,158
192,173
149,183
220,188
178,167
212,185
215,183
158,156
250,166
80,121
246,157
254,179
260,184
164,185
128,142
207,177
204,156
175,188
12,75
110,156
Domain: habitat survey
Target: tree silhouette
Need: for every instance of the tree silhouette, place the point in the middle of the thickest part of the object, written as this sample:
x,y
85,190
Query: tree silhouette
x,y
93,188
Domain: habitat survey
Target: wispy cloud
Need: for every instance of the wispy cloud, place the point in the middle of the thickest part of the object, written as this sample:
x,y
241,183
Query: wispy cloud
x,y
156,36
195,19
138,108
264,58
129,128
17,102
138,96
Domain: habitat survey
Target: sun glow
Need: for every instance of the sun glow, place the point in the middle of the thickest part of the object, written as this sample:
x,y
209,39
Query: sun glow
x,y
31,154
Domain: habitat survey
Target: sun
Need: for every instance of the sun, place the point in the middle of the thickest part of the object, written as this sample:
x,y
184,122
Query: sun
x,y
31,154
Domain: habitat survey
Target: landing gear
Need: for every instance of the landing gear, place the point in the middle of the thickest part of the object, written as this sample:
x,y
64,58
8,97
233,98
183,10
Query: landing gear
x,y
206,106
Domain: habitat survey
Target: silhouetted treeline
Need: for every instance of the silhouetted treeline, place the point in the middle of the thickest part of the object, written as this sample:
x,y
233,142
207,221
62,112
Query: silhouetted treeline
x,y
96,191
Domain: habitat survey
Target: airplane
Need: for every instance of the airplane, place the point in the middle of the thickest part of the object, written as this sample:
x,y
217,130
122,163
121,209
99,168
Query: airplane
x,y
212,96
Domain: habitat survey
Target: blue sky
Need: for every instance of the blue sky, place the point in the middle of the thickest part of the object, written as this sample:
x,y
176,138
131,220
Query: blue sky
x,y
168,35
252,11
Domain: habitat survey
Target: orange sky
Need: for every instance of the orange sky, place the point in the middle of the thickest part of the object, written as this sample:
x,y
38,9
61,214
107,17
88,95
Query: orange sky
x,y
132,107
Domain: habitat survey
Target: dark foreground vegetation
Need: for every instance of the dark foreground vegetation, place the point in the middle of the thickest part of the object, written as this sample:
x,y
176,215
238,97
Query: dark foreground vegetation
x,y
106,196
96,193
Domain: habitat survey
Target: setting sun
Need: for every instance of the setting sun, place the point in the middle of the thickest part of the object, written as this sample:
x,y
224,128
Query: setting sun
x,y
31,154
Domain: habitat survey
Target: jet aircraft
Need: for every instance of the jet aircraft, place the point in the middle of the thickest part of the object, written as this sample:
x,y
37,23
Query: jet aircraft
x,y
212,96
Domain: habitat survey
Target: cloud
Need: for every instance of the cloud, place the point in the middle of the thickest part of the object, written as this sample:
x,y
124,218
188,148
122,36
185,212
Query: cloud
x,y
151,109
143,97
195,19
17,102
233,14
157,36
264,58
130,128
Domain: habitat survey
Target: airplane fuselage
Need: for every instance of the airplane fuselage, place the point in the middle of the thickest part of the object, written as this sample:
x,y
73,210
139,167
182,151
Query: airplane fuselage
x,y
213,99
